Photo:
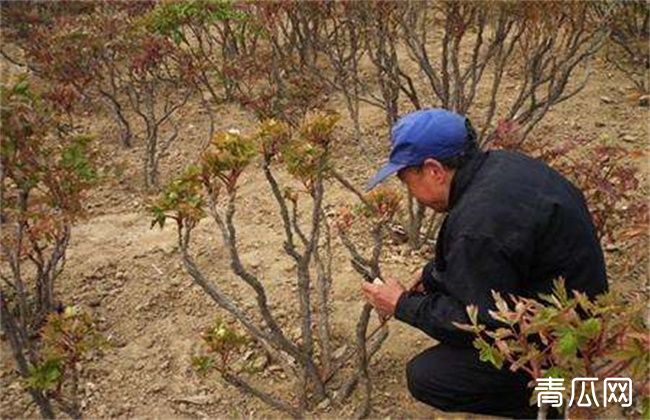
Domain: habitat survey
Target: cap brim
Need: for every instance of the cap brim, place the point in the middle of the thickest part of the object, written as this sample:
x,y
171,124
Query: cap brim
x,y
386,171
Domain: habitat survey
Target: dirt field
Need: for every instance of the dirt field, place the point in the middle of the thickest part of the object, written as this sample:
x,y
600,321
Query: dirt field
x,y
131,279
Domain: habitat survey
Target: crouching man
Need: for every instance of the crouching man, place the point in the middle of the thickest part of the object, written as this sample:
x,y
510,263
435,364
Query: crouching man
x,y
513,225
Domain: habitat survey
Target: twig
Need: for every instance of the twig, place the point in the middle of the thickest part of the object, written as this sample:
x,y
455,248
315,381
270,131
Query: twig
x,y
363,409
269,399
158,270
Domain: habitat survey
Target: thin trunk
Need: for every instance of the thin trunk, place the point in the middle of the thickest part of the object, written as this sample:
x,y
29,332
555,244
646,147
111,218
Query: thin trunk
x,y
324,328
11,330
118,113
151,179
416,212
363,410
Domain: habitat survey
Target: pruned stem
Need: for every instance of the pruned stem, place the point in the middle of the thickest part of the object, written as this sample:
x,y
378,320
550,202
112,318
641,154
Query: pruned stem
x,y
362,362
269,399
17,345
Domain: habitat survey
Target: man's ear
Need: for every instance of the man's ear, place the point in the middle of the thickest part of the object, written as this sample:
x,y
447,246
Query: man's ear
x,y
434,168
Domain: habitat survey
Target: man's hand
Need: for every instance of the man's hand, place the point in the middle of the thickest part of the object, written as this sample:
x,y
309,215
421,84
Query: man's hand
x,y
383,297
417,285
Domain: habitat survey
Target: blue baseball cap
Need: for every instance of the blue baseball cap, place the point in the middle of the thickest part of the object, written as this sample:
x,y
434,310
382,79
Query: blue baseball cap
x,y
427,133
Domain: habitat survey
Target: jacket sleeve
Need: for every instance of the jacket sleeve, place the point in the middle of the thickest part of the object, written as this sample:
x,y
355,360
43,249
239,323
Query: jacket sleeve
x,y
475,265
428,278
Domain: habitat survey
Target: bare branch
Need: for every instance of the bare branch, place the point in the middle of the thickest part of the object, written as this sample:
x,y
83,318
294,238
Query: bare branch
x,y
266,397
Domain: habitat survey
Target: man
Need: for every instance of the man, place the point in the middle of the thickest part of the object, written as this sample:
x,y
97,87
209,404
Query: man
x,y
513,225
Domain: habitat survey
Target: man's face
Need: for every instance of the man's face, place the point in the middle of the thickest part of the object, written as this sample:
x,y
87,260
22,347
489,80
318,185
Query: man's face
x,y
429,184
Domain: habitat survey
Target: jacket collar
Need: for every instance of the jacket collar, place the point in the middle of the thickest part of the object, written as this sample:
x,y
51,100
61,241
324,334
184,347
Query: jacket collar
x,y
463,177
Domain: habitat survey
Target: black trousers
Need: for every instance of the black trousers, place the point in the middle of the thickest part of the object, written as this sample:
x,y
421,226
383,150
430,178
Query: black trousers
x,y
454,379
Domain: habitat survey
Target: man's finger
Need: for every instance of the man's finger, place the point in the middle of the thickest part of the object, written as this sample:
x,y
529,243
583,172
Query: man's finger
x,y
417,286
391,281
416,281
383,317
369,287
368,296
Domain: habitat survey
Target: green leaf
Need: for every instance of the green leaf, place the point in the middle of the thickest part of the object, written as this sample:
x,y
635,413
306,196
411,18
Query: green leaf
x,y
645,408
159,217
46,375
502,333
71,311
21,87
488,353
590,328
567,345
75,158
202,364
177,36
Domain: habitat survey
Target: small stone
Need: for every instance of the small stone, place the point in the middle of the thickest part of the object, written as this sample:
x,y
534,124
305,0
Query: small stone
x,y
628,138
275,368
197,399
296,332
289,267
260,363
118,342
606,100
324,405
253,259
101,410
338,353
644,100
156,388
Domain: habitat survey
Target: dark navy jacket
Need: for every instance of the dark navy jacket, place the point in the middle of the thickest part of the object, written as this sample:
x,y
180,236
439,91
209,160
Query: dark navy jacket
x,y
514,225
